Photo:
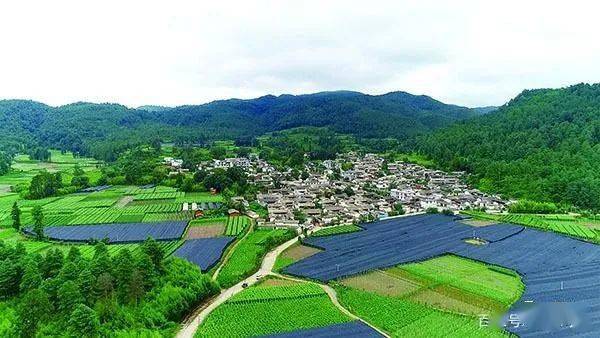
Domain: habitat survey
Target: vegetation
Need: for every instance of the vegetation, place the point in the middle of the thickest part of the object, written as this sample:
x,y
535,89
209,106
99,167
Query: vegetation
x,y
335,230
580,227
542,146
402,318
58,295
432,298
248,254
282,306
236,225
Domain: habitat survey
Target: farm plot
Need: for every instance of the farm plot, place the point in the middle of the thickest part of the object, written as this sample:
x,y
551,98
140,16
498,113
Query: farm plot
x,y
355,329
336,230
248,254
207,231
402,318
266,309
293,254
235,225
204,252
116,233
158,196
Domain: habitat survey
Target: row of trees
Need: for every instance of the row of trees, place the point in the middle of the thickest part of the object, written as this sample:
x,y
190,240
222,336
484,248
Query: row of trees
x,y
74,295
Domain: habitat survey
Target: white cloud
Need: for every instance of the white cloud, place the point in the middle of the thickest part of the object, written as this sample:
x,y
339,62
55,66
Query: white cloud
x,y
187,52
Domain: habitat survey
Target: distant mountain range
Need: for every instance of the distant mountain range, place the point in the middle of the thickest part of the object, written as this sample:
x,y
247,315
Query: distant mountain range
x,y
96,129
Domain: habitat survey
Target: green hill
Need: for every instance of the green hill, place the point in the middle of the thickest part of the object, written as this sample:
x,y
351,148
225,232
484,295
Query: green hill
x,y
102,130
542,145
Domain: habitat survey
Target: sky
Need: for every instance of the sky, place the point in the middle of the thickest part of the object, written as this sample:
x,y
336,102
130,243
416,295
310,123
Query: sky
x,y
471,53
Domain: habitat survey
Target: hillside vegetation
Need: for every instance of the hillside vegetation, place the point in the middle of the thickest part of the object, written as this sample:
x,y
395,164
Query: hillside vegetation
x,y
542,145
105,130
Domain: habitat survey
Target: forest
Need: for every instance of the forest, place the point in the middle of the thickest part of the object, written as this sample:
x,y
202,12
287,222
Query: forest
x,y
543,145
70,295
104,131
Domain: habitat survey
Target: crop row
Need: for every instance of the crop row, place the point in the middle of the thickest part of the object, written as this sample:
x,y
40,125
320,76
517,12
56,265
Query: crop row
x,y
284,314
294,291
158,195
559,225
235,225
336,230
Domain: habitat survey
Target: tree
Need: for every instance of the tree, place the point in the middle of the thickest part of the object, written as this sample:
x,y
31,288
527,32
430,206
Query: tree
x,y
34,309
155,252
399,209
9,278
300,216
44,184
5,163
84,321
69,297
52,264
38,222
135,290
32,278
123,269
104,286
16,216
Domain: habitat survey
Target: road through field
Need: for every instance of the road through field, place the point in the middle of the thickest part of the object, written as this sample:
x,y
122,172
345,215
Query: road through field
x,y
266,268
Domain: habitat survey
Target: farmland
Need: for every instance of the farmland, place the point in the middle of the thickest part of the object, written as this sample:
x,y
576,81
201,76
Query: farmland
x,y
402,318
236,225
336,230
116,233
281,308
113,205
574,226
553,267
204,252
247,256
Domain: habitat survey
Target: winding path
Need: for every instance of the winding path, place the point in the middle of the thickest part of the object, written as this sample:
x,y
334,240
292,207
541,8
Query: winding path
x,y
266,268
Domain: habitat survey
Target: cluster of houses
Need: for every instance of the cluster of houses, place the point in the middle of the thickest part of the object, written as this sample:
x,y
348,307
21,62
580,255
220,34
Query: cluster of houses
x,y
353,188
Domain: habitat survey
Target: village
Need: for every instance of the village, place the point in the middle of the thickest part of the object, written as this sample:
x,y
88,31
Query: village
x,y
353,188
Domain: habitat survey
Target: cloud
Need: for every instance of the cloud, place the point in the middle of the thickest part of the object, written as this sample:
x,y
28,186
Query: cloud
x,y
188,52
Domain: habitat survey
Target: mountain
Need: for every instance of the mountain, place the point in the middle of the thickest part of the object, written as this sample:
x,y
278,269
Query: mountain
x,y
103,129
544,145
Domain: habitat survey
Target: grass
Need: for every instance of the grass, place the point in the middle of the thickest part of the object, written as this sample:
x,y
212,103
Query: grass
x,y
269,309
208,221
336,230
248,254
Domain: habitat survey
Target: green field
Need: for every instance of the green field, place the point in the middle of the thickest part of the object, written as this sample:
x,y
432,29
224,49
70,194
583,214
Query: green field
x,y
440,296
248,254
11,237
575,226
336,230
272,307
403,318
114,205
236,225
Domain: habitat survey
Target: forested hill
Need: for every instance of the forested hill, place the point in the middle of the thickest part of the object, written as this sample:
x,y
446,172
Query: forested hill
x,y
102,130
544,144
